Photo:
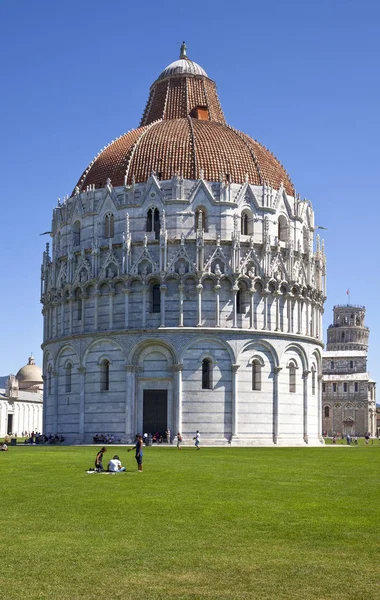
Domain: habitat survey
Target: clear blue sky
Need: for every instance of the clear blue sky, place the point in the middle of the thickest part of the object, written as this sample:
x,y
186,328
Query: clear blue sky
x,y
301,77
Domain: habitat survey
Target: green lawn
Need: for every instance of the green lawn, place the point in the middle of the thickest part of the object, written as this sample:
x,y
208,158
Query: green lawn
x,y
215,524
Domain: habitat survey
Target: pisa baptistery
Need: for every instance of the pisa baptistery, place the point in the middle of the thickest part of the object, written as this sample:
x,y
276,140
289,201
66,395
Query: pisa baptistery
x,y
184,289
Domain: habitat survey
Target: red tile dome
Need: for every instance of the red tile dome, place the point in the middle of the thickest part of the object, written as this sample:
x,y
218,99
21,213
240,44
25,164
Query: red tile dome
x,y
183,130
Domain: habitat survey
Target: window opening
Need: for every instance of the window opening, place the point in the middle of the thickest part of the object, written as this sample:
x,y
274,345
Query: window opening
x,y
105,376
256,375
206,375
292,378
156,298
109,226
68,378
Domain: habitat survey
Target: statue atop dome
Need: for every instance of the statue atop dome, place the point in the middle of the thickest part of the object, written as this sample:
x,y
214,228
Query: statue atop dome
x,y
183,52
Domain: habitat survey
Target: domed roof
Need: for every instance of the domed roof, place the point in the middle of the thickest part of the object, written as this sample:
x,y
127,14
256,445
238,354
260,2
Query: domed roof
x,y
183,66
186,146
183,131
29,375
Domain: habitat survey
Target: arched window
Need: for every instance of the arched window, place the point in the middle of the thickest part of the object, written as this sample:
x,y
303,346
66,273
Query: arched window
x,y
239,303
313,381
282,229
323,387
109,226
246,223
332,365
68,377
201,220
256,375
76,233
78,301
153,222
206,374
351,364
156,224
292,377
327,412
156,298
105,375
342,335
149,220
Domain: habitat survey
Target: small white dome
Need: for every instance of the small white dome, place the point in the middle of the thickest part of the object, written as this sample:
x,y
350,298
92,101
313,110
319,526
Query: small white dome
x,y
182,66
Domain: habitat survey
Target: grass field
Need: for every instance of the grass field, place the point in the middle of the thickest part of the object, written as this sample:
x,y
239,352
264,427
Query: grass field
x,y
215,524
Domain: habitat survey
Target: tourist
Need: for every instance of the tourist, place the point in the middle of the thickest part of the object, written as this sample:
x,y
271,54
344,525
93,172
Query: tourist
x,y
197,439
139,453
167,433
348,439
114,465
99,459
356,440
4,447
179,440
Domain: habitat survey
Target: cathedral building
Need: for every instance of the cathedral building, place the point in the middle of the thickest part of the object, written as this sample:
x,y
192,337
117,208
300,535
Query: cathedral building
x,y
348,393
21,401
184,289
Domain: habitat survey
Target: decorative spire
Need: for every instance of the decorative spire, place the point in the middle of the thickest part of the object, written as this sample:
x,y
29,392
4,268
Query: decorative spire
x,y
183,53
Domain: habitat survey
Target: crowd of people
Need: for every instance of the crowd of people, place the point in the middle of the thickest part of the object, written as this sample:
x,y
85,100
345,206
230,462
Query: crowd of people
x,y
40,438
105,439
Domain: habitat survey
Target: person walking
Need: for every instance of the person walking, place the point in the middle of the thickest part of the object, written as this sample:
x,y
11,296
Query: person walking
x,y
179,441
197,439
139,453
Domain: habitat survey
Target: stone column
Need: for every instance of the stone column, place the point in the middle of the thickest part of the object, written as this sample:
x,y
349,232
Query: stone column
x,y
217,305
307,317
110,308
234,400
96,310
143,319
126,308
82,373
82,323
199,290
62,317
265,310
305,398
277,301
181,289
177,369
54,419
299,324
252,311
289,312
71,302
131,402
44,315
276,372
319,392
163,289
235,290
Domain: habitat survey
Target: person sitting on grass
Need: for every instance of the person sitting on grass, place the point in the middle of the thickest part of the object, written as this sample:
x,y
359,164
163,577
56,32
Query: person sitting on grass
x,y
114,466
99,459
4,447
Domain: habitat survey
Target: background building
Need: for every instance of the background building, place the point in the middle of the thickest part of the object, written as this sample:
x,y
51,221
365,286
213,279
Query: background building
x,y
348,393
183,290
21,402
